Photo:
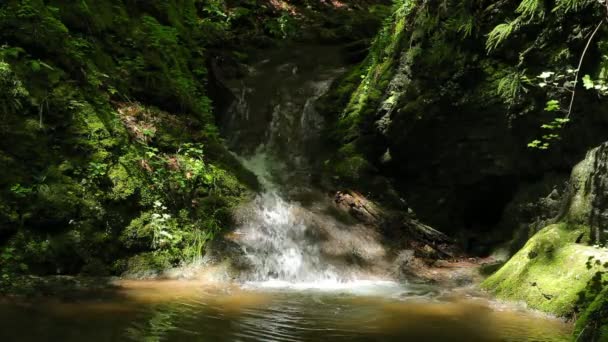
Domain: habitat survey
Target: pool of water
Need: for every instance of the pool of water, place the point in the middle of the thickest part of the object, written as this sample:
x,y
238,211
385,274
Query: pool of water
x,y
274,311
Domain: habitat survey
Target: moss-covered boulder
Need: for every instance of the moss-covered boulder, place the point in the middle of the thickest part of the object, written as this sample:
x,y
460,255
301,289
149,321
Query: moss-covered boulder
x,y
563,268
551,272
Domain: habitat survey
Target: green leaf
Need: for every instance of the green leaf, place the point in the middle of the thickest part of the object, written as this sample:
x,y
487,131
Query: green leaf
x,y
35,66
546,74
552,105
588,82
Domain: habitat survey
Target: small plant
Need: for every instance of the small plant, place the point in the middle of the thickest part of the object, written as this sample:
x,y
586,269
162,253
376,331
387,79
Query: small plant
x,y
283,26
12,91
598,85
97,170
164,230
21,191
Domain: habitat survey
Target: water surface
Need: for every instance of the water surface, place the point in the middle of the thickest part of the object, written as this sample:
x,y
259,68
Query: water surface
x,y
192,311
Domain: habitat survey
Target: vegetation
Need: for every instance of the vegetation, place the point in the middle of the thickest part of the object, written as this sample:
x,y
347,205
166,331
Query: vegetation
x,y
112,161
90,176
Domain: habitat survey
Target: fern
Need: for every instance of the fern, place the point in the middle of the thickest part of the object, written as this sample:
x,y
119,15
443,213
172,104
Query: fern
x,y
403,8
571,5
500,33
463,23
466,28
12,91
511,85
530,9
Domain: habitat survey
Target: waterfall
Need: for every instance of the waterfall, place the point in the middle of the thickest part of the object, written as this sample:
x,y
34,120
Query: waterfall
x,y
274,129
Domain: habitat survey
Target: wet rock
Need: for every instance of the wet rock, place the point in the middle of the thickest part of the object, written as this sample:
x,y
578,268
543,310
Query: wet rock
x,y
408,267
438,241
553,272
358,206
64,287
400,228
447,273
405,257
427,252
491,267
588,193
226,248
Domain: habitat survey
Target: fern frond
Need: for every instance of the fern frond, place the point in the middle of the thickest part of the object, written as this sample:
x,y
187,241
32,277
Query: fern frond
x,y
466,28
510,86
530,9
464,23
500,33
571,5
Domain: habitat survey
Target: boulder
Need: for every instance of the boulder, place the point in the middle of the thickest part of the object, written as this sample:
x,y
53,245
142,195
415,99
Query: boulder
x,y
562,269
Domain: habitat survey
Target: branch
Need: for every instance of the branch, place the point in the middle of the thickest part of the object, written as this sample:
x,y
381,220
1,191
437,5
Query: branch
x,y
580,63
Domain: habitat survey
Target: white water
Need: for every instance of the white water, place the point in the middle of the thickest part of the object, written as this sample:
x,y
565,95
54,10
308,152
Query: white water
x,y
275,241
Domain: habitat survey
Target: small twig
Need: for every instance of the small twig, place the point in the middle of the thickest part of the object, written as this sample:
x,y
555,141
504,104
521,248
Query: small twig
x,y
580,63
40,115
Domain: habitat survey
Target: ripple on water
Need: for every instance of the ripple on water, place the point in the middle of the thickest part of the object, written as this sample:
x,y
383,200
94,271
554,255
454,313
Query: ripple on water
x,y
192,311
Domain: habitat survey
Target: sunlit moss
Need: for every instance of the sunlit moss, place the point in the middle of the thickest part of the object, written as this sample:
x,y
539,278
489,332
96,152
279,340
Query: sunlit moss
x,y
593,323
551,271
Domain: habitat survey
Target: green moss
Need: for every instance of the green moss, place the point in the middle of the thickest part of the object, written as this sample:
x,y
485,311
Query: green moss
x,y
349,165
592,325
550,272
581,204
124,184
148,264
366,83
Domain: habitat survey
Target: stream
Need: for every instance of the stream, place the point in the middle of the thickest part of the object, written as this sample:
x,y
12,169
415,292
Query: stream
x,y
309,274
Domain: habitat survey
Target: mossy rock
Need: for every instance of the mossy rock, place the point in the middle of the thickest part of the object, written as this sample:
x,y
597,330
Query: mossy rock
x,y
550,272
148,265
124,184
593,323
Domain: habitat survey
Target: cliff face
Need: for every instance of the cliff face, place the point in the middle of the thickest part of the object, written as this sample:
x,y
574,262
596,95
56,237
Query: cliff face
x,y
447,115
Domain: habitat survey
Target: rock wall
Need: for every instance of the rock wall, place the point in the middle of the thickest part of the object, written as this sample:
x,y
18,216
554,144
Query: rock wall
x,y
428,110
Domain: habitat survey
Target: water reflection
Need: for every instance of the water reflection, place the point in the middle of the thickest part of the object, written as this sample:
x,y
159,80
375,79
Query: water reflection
x,y
181,311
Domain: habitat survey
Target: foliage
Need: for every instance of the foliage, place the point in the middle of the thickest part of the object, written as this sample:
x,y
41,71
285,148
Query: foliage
x,y
511,86
282,27
500,33
78,173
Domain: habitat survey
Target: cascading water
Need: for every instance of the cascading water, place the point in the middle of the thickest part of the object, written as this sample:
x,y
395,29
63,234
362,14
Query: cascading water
x,y
275,130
